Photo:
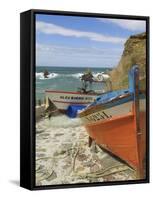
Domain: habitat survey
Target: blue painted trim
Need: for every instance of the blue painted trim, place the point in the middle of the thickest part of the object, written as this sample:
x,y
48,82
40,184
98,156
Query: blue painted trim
x,y
133,73
109,96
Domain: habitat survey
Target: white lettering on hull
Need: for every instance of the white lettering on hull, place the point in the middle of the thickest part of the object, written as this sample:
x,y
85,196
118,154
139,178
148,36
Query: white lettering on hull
x,y
118,110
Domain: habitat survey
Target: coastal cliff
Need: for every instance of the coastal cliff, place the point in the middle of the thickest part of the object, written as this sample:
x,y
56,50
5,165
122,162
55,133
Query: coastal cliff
x,y
134,53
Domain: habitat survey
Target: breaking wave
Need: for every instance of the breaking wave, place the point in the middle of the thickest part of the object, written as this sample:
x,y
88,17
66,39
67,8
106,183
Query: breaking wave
x,y
40,75
77,75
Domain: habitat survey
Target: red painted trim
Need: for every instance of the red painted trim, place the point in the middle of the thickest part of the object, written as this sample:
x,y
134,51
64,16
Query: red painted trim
x,y
62,111
70,102
67,92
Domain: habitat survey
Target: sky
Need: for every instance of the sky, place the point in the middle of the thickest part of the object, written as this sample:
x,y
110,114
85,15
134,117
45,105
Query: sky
x,y
73,41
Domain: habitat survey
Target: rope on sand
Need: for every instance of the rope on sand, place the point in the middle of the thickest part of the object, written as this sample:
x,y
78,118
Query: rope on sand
x,y
109,171
112,168
57,156
75,156
45,178
44,158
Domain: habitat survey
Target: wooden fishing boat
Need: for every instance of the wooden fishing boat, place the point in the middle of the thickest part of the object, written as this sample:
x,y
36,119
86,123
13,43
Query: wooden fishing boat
x,y
62,99
84,96
117,122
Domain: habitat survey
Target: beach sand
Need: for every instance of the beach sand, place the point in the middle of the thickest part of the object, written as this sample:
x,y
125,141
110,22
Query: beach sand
x,y
63,155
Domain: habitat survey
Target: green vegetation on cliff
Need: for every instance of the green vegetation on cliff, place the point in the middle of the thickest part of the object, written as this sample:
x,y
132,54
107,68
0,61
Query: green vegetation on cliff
x,y
134,54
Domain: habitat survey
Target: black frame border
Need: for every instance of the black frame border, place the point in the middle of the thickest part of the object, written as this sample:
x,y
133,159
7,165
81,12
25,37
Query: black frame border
x,y
27,98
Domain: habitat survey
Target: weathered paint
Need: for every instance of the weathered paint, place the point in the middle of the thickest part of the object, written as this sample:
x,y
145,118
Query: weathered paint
x,y
124,134
119,136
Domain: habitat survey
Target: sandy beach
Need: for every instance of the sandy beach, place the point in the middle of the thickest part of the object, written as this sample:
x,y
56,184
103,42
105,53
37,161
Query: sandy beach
x,y
64,157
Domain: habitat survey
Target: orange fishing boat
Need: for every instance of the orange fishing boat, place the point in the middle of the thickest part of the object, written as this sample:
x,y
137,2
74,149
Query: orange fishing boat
x,y
118,123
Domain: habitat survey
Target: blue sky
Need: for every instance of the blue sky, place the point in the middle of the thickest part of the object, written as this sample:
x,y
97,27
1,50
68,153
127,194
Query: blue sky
x,y
82,41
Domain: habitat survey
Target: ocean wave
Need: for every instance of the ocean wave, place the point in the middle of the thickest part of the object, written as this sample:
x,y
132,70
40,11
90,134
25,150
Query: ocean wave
x,y
40,75
96,75
77,75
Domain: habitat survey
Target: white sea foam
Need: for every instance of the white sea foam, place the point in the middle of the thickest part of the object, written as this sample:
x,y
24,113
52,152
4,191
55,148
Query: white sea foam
x,y
101,76
40,75
77,75
95,75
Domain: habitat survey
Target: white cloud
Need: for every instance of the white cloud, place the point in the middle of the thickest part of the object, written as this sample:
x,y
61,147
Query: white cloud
x,y
54,55
49,28
133,25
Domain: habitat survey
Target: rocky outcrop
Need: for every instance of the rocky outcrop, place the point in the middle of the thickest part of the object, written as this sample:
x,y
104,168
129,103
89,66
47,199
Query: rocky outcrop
x,y
134,53
46,73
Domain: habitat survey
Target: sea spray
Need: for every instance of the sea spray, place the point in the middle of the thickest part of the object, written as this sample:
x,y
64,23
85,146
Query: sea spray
x,y
40,75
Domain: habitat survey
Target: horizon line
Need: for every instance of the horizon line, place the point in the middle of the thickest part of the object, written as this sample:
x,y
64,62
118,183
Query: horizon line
x,y
71,66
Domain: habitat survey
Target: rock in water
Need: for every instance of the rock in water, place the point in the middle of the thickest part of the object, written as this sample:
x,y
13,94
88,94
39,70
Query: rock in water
x,y
46,73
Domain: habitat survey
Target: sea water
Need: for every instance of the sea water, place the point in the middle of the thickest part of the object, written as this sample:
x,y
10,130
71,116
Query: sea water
x,y
61,78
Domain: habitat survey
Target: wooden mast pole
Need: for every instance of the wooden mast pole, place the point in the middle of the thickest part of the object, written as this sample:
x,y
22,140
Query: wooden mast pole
x,y
140,170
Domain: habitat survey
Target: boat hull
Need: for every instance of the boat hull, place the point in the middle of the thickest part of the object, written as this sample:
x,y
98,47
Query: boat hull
x,y
63,99
101,113
119,136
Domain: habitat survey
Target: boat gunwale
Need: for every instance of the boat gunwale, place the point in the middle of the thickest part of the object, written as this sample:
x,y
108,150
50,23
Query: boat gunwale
x,y
70,102
70,92
103,106
111,119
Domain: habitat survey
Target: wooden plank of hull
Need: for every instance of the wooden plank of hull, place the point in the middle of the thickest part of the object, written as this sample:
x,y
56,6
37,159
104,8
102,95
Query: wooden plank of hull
x,y
71,98
118,135
118,110
64,105
141,142
104,114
